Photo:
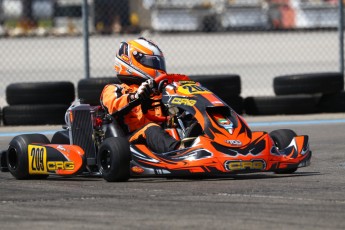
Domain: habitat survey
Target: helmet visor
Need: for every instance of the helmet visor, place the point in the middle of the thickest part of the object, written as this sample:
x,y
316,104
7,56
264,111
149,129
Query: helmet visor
x,y
150,61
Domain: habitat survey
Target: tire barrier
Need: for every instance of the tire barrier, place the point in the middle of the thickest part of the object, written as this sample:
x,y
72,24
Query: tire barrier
x,y
40,93
301,94
37,103
226,86
44,114
310,83
235,102
89,90
287,104
44,103
332,103
223,85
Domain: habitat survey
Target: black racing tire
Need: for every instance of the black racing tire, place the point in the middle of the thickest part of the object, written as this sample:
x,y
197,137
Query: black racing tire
x,y
235,102
113,159
332,103
223,85
274,105
40,93
53,114
3,161
17,155
61,137
90,89
312,83
282,138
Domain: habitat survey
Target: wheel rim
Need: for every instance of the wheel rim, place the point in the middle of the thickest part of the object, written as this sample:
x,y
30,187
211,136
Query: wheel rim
x,y
105,160
12,158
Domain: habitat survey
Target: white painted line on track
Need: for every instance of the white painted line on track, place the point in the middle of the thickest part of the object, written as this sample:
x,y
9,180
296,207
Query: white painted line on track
x,y
306,122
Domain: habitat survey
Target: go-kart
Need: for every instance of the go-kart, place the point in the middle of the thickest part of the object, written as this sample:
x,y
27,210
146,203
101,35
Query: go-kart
x,y
215,141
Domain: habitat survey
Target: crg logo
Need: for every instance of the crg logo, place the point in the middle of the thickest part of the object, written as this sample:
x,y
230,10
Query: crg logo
x,y
245,165
60,165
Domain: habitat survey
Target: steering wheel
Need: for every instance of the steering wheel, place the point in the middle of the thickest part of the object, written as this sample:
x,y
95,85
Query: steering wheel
x,y
169,78
161,82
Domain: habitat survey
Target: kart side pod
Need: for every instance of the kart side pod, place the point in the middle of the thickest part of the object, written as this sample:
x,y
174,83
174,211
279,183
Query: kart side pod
x,y
55,159
32,156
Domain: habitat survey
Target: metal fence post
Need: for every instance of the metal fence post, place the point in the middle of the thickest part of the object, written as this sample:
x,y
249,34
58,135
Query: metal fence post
x,y
86,39
341,36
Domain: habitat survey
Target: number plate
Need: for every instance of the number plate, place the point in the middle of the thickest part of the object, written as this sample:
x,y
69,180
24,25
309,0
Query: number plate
x,y
37,159
192,89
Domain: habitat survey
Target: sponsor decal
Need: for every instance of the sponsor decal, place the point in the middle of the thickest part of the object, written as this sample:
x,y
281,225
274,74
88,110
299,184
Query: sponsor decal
x,y
60,147
192,89
37,159
258,164
60,165
137,169
234,142
225,122
125,58
183,101
186,82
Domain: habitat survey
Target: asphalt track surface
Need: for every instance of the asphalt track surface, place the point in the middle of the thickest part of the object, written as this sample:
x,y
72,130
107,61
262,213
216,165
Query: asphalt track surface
x,y
311,198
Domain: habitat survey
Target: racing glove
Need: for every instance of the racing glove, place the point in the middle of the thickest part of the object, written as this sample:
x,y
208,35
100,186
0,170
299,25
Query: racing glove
x,y
144,91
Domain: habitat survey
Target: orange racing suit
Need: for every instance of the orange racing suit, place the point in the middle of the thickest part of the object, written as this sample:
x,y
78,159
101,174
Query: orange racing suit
x,y
115,97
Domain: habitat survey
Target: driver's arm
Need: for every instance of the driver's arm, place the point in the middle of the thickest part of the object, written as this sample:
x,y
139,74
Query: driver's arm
x,y
114,98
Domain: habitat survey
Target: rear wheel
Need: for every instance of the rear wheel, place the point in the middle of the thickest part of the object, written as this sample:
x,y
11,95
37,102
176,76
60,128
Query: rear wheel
x,y
17,155
61,137
113,159
282,138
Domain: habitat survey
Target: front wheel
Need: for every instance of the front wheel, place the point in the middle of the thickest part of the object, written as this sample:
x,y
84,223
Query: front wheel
x,y
282,138
113,159
17,155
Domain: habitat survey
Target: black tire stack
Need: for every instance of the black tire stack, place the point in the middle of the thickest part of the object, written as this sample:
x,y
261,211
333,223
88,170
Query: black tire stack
x,y
225,86
90,89
40,103
301,94
37,103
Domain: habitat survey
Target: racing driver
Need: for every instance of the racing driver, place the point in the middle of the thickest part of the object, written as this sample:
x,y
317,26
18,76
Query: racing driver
x,y
137,63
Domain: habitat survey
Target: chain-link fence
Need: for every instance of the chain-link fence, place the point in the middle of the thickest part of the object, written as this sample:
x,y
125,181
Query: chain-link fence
x,y
40,40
